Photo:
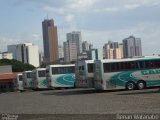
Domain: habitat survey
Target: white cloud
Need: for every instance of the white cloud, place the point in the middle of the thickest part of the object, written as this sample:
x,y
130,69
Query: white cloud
x,y
147,2
113,9
36,36
52,9
131,6
71,6
5,41
69,18
80,4
123,5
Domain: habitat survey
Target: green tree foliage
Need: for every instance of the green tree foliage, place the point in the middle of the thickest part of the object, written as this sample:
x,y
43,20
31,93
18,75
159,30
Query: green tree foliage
x,y
17,66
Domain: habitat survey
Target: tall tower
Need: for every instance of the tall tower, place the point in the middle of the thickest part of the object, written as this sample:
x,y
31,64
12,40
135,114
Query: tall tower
x,y
132,47
76,37
50,41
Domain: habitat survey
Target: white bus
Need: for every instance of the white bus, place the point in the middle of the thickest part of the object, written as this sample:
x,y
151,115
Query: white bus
x,y
135,73
61,76
39,78
27,79
85,74
19,82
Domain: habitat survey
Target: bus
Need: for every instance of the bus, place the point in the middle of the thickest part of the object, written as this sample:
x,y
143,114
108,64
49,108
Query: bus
x,y
19,82
133,73
85,74
39,78
60,76
27,79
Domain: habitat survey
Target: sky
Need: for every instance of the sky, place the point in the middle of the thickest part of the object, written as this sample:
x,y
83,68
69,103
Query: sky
x,y
98,20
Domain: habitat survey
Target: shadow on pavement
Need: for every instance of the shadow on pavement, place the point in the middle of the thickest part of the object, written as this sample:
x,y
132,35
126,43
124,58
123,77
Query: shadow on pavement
x,y
78,92
69,92
146,91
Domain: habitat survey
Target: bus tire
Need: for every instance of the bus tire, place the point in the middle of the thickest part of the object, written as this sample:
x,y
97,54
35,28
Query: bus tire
x,y
141,85
130,85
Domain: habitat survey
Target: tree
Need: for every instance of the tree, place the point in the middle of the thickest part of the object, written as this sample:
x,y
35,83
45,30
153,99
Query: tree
x,y
17,66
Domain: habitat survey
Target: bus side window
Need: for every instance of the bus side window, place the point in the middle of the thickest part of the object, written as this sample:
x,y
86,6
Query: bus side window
x,y
118,66
147,64
123,65
114,67
72,69
157,62
106,67
139,65
151,64
54,71
132,65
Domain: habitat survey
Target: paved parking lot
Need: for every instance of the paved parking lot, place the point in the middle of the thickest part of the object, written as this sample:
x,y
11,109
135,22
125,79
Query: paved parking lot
x,y
81,101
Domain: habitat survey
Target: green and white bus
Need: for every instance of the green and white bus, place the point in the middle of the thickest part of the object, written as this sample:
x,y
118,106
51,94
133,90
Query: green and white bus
x,y
27,79
127,73
60,76
39,78
19,82
85,74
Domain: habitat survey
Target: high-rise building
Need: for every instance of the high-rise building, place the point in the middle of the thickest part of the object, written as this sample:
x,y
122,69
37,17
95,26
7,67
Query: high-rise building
x,y
50,41
41,58
85,46
76,37
132,47
26,53
119,51
95,54
61,52
90,46
113,50
6,55
70,51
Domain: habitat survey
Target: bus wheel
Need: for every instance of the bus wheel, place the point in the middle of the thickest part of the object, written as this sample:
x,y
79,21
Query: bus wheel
x,y
141,85
130,85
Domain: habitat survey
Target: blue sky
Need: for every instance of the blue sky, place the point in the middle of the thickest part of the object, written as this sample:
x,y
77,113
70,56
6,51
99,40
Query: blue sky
x,y
98,20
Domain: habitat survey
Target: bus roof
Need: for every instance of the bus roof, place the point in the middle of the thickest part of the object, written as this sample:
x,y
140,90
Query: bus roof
x,y
27,71
19,74
37,69
130,59
59,65
40,68
89,61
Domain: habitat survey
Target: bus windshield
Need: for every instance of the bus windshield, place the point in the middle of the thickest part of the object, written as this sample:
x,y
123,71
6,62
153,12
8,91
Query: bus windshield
x,y
63,70
20,78
29,75
42,73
